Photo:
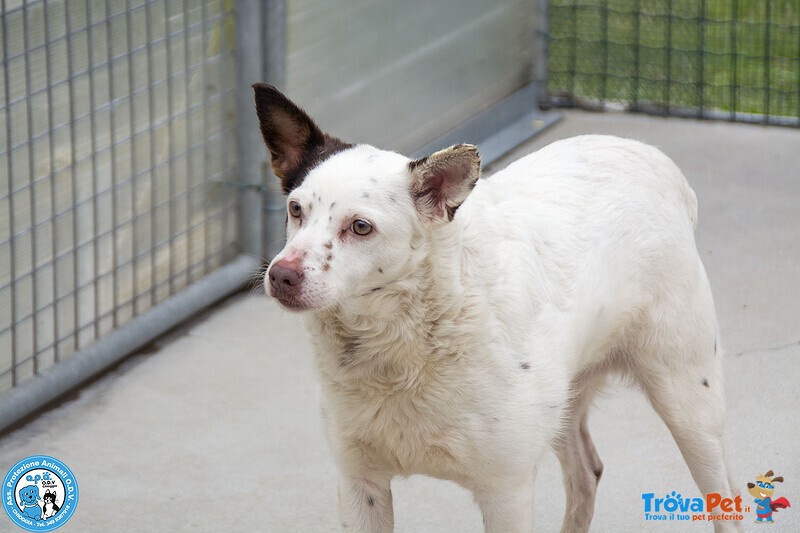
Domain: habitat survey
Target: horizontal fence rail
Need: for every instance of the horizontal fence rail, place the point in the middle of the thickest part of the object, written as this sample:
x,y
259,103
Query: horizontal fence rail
x,y
117,131
731,59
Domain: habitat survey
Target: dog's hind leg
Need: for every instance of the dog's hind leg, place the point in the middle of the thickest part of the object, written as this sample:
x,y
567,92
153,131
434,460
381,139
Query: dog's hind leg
x,y
677,361
580,464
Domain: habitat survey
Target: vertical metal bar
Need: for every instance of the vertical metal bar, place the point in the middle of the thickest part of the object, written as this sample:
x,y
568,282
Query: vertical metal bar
x,y
573,56
151,114
31,179
113,149
540,33
11,231
604,80
249,149
275,73
73,154
767,60
204,129
223,118
188,135
636,54
93,147
668,86
171,143
701,62
133,171
51,142
734,75
797,79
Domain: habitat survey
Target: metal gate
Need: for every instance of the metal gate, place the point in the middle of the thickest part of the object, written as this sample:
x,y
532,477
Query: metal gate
x,y
724,59
117,137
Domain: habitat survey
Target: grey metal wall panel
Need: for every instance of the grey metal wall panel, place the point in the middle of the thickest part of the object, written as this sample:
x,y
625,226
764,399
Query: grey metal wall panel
x,y
397,74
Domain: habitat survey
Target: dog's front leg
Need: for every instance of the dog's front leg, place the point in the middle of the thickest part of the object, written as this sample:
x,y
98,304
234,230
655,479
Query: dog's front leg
x,y
509,508
365,505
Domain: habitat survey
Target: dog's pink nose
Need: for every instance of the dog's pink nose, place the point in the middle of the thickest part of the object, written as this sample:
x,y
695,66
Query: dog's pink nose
x,y
285,276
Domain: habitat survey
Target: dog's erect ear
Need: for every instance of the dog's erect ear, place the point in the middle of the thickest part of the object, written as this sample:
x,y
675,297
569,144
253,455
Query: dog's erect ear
x,y
295,142
442,181
779,479
769,473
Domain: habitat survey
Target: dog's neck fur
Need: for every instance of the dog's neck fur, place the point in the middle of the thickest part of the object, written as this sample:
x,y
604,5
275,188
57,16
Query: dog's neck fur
x,y
370,335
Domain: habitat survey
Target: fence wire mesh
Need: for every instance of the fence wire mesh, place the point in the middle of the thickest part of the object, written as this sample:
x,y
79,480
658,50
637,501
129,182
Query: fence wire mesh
x,y
734,59
116,131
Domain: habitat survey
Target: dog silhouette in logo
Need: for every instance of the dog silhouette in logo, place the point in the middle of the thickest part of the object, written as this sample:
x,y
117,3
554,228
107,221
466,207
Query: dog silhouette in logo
x,y
29,496
762,490
50,508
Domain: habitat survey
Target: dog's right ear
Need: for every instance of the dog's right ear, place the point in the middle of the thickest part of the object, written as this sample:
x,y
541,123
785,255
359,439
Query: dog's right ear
x,y
293,139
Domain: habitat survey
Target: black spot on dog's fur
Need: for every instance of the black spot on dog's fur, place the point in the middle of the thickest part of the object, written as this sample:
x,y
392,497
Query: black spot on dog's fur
x,y
326,267
329,257
370,501
598,473
376,289
328,245
380,270
525,365
705,383
364,195
333,204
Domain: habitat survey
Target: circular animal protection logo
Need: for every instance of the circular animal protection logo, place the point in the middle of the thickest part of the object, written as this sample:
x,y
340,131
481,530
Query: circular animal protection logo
x,y
40,493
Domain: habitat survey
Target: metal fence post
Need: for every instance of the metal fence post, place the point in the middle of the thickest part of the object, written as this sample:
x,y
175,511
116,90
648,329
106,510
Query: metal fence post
x,y
540,50
274,70
248,141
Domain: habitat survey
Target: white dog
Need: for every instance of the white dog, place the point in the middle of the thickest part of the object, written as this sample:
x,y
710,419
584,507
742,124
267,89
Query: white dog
x,y
462,326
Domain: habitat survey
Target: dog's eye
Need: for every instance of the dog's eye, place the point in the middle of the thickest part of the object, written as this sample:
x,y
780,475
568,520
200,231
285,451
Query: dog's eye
x,y
294,209
361,227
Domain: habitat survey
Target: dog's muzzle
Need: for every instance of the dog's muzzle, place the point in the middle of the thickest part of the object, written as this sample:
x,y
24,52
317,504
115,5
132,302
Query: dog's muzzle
x,y
285,279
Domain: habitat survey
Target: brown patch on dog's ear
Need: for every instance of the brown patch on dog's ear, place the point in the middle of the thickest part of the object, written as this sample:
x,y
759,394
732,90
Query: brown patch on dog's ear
x,y
442,181
295,142
751,485
779,479
769,474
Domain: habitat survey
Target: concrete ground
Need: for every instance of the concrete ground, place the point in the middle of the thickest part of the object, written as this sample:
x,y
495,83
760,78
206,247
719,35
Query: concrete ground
x,y
217,429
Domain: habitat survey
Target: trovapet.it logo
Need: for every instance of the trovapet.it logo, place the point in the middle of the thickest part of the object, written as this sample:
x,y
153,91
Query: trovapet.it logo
x,y
40,493
712,508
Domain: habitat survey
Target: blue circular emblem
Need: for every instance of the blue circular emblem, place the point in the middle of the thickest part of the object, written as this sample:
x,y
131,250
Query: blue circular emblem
x,y
40,493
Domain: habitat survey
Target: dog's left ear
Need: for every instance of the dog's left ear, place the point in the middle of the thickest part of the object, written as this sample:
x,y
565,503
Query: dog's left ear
x,y
442,181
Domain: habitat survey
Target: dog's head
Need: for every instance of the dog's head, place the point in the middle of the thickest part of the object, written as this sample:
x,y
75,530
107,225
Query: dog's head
x,y
358,217
764,487
29,494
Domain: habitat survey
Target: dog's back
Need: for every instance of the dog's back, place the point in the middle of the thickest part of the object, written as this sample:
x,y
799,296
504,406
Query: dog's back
x,y
595,227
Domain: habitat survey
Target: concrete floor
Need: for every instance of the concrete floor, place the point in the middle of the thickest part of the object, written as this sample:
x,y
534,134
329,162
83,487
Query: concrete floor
x,y
217,429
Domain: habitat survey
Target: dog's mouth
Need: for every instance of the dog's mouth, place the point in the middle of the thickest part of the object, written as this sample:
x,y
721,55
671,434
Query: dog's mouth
x,y
763,495
292,304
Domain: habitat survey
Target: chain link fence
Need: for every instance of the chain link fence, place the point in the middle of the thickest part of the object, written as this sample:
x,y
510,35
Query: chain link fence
x,y
732,59
117,127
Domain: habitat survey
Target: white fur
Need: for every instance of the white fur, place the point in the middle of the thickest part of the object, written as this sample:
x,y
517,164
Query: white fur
x,y
487,336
